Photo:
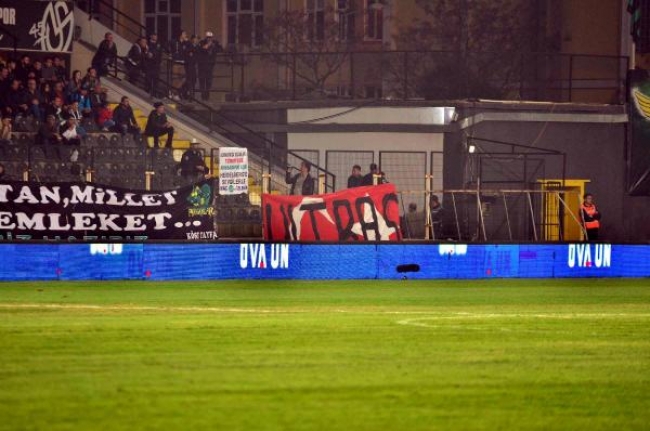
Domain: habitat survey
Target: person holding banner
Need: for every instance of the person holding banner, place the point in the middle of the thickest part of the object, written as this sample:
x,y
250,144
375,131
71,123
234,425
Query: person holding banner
x,y
302,183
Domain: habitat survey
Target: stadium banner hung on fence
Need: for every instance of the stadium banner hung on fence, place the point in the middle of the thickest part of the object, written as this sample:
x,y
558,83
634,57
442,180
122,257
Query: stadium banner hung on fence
x,y
44,26
94,212
233,171
358,214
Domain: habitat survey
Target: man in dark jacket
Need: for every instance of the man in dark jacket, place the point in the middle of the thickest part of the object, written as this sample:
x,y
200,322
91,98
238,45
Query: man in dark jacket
x,y
158,125
135,60
302,183
207,58
193,166
105,56
354,180
152,61
124,118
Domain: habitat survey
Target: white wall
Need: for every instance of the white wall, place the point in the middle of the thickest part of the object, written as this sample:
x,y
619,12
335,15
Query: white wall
x,y
436,115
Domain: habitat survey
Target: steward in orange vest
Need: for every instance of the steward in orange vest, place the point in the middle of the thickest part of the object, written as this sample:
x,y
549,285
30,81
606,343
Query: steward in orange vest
x,y
590,217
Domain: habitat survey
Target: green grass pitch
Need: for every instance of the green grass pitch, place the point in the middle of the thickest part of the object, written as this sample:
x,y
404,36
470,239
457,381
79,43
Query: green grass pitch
x,y
295,355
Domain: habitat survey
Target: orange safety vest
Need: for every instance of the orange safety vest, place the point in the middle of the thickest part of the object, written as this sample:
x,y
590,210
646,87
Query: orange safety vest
x,y
591,212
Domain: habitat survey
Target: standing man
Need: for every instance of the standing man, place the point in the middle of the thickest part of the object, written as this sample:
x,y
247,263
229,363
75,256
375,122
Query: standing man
x,y
302,183
158,125
191,64
590,217
106,55
135,60
178,49
208,50
355,179
369,178
152,61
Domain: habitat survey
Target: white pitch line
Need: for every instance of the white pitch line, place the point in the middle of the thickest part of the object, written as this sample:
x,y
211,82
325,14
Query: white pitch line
x,y
428,314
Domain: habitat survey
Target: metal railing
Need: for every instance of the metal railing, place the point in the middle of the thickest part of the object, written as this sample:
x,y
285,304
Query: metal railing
x,y
434,75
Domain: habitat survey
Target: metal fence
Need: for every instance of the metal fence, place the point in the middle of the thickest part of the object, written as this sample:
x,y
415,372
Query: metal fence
x,y
433,75
466,215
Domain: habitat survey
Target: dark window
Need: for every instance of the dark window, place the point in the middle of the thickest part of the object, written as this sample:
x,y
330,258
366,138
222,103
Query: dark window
x,y
150,6
175,6
259,30
245,29
232,30
162,28
244,20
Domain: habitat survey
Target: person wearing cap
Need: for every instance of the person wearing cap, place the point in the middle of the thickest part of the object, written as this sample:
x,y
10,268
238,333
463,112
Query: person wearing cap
x,y
207,58
192,164
158,125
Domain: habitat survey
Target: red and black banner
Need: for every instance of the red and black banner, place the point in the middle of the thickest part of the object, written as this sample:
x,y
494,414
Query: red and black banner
x,y
95,212
358,214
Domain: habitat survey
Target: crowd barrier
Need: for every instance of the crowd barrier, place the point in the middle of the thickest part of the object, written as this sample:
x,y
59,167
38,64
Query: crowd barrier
x,y
156,261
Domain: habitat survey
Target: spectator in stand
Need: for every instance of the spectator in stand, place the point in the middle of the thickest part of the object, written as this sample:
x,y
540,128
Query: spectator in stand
x,y
105,118
73,86
34,100
91,81
302,183
6,131
23,69
46,92
124,118
152,61
55,110
207,58
191,59
192,164
58,90
37,72
105,56
158,125
355,179
49,138
48,73
5,79
178,50
12,65
59,68
135,60
368,179
14,99
74,111
71,134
